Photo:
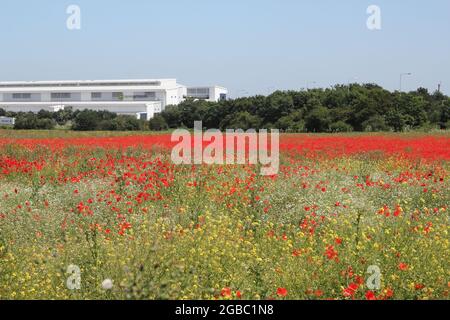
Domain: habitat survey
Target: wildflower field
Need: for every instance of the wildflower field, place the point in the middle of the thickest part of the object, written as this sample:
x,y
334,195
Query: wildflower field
x,y
341,209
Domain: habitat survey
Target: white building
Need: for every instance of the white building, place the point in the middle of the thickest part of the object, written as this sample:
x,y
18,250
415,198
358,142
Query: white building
x,y
214,93
143,98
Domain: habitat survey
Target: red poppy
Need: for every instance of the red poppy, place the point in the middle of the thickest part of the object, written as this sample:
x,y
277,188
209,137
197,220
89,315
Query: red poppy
x,y
419,286
370,295
318,293
331,253
351,290
226,292
403,266
282,292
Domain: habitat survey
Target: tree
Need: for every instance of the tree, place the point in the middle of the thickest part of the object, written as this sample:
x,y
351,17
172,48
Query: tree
x,y
318,120
172,116
292,122
45,124
445,114
375,123
26,121
158,123
2,112
44,114
125,123
340,126
63,116
86,120
356,107
396,120
242,120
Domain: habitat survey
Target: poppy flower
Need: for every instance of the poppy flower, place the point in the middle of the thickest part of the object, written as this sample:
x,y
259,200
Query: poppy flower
x,y
419,286
403,266
370,295
226,292
282,292
351,290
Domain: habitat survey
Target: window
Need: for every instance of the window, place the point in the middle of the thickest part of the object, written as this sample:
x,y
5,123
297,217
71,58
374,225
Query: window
x,y
117,96
21,96
144,95
201,93
61,95
96,95
223,97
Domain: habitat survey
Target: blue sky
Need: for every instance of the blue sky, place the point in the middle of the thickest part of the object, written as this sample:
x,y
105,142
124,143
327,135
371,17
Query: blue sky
x,y
253,46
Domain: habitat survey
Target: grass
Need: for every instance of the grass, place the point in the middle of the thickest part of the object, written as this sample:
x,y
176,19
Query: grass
x,y
160,231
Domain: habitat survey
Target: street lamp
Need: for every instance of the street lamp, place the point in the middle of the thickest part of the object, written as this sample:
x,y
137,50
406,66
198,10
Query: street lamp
x,y
401,78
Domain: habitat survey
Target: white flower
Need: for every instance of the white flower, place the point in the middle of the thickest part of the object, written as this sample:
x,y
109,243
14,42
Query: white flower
x,y
107,284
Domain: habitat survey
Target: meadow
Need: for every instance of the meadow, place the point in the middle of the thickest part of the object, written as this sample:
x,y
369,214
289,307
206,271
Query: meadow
x,y
343,209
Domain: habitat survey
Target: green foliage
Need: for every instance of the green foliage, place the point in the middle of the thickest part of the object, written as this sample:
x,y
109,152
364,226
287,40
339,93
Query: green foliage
x,y
375,123
343,108
242,120
318,119
158,123
89,120
340,126
29,121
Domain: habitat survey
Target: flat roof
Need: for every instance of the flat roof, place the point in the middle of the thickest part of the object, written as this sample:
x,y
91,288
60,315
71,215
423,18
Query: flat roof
x,y
204,87
84,83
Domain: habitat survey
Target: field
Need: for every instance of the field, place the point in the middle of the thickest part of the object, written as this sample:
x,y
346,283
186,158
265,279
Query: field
x,y
102,216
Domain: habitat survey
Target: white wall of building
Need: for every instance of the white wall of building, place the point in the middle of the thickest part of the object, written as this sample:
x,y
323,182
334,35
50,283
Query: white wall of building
x,y
164,92
213,93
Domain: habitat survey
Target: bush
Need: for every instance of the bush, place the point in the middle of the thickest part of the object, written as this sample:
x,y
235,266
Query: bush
x,y
318,120
86,120
45,124
125,123
340,126
242,120
158,123
375,124
26,121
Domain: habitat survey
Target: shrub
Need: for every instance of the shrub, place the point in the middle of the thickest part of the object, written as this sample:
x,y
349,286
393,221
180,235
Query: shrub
x,y
158,123
340,126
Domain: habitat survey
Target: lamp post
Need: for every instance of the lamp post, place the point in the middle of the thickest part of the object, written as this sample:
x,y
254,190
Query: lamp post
x,y
401,78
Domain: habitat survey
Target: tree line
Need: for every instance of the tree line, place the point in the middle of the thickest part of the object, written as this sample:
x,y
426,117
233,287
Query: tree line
x,y
343,108
78,120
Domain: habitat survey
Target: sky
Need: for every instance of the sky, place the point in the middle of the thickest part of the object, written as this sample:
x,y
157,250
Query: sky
x,y
248,46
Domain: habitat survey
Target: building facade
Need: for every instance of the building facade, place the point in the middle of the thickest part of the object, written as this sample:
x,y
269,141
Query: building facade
x,y
143,98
